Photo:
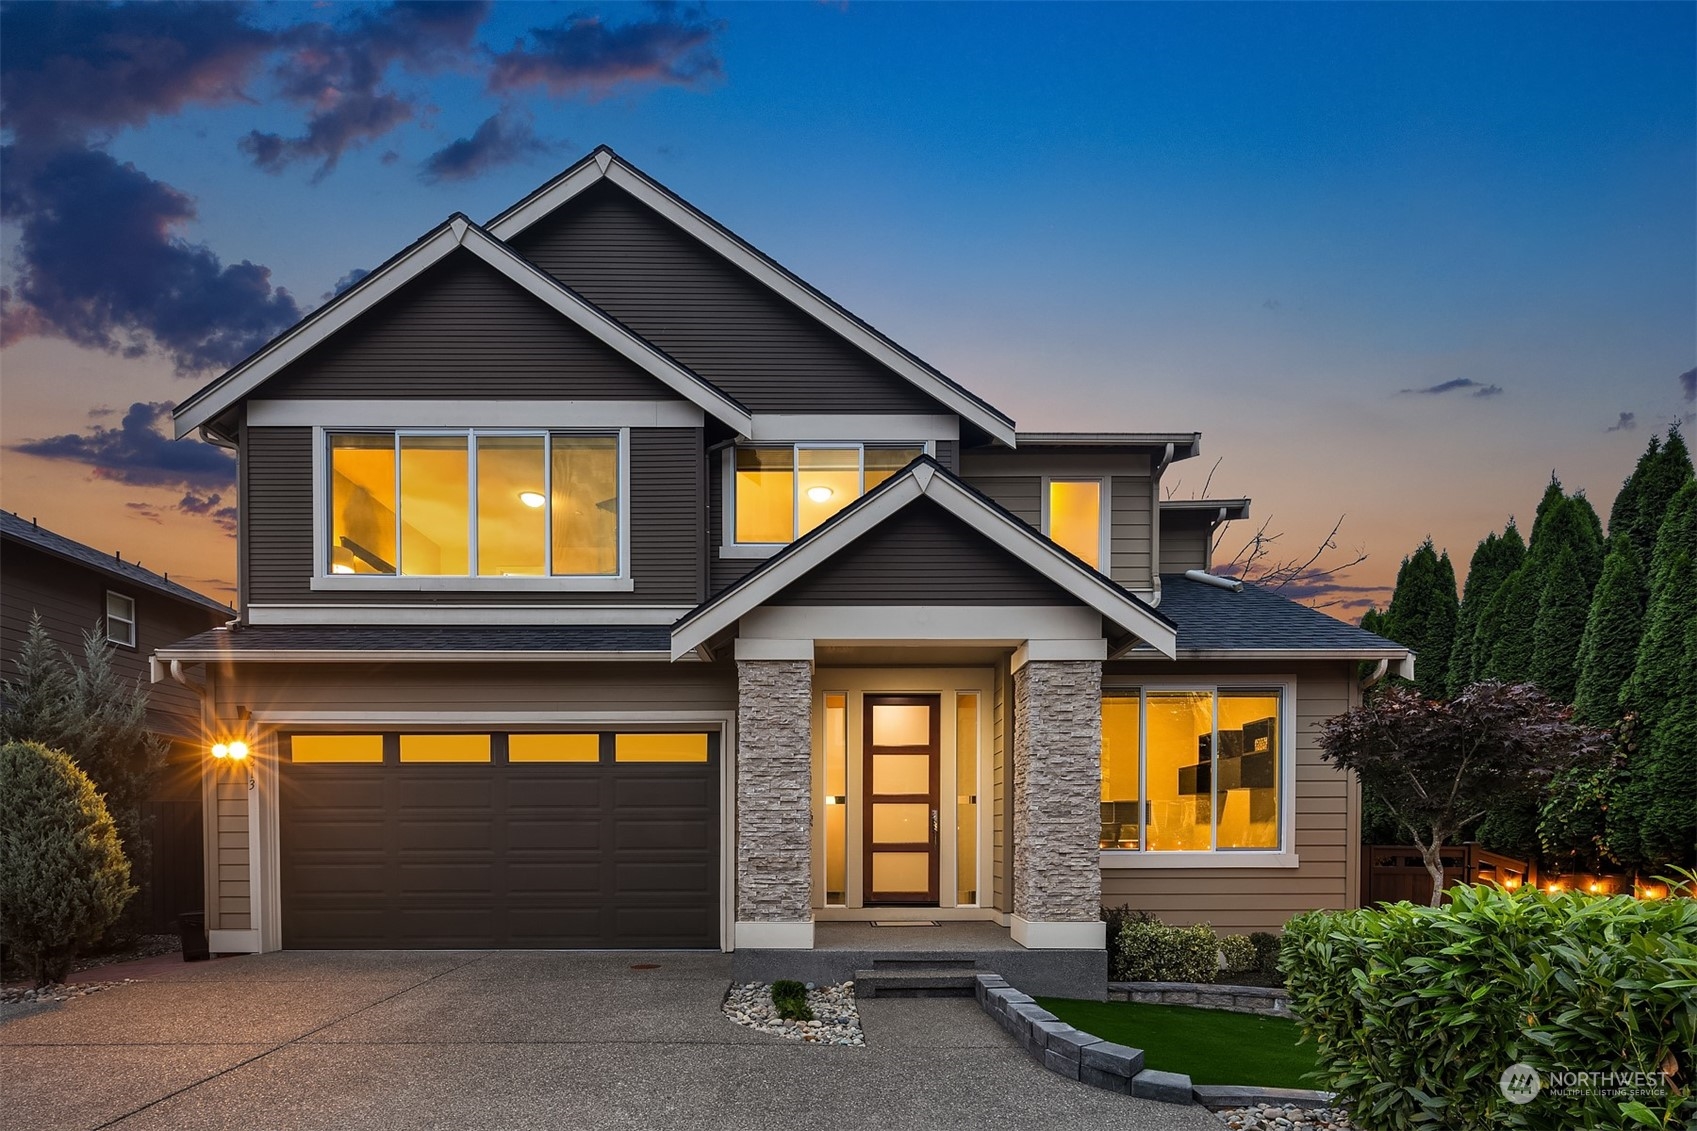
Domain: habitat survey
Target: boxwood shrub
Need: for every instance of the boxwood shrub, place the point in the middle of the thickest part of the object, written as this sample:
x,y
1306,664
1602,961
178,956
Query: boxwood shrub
x,y
1417,1011
1148,951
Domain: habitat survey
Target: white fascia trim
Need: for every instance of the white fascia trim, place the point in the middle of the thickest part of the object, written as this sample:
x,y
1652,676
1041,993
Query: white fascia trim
x,y
1012,535
879,428
368,583
459,232
233,942
1394,655
540,204
462,614
1005,625
474,414
397,656
755,648
723,720
1115,858
796,935
1036,934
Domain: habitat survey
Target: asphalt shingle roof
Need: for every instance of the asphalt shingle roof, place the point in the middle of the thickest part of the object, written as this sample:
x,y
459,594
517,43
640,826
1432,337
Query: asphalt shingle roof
x,y
454,638
29,533
1256,619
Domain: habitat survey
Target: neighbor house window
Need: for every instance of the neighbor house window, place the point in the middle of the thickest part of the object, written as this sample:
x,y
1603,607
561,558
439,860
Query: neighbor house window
x,y
474,503
1193,770
121,619
781,493
1073,518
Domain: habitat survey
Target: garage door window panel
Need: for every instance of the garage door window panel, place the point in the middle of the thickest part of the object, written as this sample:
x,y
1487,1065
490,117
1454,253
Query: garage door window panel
x,y
445,748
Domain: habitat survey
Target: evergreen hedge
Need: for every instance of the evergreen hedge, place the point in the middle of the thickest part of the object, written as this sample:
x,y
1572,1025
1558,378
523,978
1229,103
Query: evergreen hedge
x,y
63,875
1417,1011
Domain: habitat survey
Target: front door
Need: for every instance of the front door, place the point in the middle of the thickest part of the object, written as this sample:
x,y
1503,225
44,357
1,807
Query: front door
x,y
902,740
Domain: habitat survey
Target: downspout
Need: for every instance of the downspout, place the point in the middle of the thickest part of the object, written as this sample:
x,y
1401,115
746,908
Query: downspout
x,y
1162,465
1379,671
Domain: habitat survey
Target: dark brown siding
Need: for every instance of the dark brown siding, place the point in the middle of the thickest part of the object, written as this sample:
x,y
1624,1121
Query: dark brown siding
x,y
665,542
460,331
924,556
722,572
710,315
71,598
948,454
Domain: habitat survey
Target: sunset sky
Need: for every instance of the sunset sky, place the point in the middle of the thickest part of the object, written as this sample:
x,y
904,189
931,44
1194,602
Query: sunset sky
x,y
1396,262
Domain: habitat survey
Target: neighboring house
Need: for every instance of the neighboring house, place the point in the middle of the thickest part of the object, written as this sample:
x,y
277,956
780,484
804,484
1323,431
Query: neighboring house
x,y
76,589
602,584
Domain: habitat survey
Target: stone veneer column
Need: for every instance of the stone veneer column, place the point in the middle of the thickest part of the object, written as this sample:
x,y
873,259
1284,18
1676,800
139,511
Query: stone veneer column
x,y
774,804
1057,790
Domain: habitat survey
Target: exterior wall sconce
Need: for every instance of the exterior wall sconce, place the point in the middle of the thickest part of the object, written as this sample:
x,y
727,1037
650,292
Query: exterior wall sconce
x,y
235,750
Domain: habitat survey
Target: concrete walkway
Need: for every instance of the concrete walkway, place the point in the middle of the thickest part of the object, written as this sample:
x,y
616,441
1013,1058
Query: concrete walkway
x,y
351,1041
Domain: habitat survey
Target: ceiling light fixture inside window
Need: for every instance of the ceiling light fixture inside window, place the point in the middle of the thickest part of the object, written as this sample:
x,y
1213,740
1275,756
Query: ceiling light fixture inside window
x,y
820,494
532,498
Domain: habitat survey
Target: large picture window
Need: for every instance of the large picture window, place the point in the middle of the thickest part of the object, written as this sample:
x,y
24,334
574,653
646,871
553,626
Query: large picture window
x,y
1192,770
781,493
474,503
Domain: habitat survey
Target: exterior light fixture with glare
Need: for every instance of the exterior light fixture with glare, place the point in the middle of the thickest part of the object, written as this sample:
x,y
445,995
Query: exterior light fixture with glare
x,y
235,750
820,494
220,750
532,499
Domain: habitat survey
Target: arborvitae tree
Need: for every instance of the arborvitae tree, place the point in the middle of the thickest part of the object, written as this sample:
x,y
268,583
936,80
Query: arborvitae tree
x,y
1422,615
1613,626
1562,611
1513,615
1659,475
1569,523
35,705
1652,811
1553,495
1493,561
1623,516
111,741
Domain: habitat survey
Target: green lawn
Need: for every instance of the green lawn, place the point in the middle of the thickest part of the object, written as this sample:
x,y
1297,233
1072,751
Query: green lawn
x,y
1211,1046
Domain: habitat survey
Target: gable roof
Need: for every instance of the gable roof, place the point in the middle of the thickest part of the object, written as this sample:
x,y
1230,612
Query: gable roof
x,y
39,537
1254,622
604,164
924,478
458,232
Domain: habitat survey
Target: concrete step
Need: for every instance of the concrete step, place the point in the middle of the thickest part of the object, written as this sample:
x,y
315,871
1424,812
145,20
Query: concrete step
x,y
915,979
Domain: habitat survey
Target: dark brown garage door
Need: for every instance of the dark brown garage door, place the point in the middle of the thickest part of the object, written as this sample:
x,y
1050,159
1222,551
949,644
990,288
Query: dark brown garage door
x,y
407,841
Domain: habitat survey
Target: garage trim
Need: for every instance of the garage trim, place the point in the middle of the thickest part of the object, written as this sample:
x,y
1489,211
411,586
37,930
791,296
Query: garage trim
x,y
264,766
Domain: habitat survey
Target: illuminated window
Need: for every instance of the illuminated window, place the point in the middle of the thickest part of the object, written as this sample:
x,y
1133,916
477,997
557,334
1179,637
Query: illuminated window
x,y
1192,771
660,748
966,800
336,748
835,728
121,619
1075,517
553,748
444,748
781,493
474,503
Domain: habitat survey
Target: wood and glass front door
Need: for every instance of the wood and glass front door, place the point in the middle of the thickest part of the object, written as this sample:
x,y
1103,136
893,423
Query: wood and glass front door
x,y
902,741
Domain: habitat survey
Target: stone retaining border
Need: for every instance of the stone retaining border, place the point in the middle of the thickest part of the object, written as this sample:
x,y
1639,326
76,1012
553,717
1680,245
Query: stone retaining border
x,y
1089,1059
1265,1000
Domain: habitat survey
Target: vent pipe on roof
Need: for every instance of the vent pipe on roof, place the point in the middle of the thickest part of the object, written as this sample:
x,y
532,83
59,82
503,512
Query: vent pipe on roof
x,y
1206,578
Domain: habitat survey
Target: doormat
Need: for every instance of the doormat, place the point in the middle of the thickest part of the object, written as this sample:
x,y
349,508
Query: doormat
x,y
904,922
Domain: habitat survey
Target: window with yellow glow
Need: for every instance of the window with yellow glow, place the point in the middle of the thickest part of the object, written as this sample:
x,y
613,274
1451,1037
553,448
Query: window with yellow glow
x,y
835,727
1192,770
660,748
1075,517
553,748
336,748
483,503
966,798
781,493
444,748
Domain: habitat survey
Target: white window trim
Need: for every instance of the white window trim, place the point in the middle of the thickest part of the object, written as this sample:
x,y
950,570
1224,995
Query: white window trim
x,y
729,547
1104,517
109,620
1282,857
324,580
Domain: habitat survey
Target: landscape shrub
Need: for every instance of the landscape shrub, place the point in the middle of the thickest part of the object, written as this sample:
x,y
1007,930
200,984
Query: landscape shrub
x,y
63,875
1417,1011
789,997
1116,918
1149,951
1238,955
1266,946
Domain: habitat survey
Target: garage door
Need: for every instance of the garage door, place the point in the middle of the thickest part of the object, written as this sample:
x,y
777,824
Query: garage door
x,y
499,840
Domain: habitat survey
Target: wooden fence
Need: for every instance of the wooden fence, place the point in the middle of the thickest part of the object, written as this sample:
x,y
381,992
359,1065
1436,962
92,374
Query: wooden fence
x,y
1396,872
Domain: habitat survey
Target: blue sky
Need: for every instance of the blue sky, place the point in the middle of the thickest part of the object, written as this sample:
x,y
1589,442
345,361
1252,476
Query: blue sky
x,y
1274,223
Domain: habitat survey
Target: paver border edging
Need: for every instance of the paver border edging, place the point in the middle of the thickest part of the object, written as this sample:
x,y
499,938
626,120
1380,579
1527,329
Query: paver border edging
x,y
1267,1001
1087,1058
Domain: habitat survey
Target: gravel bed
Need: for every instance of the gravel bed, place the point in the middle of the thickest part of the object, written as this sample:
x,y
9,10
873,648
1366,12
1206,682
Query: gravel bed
x,y
836,1020
56,991
1285,1117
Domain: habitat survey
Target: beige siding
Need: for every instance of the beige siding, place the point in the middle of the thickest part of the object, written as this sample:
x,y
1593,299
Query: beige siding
x,y
1022,495
1184,549
1327,820
1129,531
230,910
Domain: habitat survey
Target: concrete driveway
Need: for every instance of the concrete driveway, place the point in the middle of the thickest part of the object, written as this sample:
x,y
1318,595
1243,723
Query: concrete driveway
x,y
463,1040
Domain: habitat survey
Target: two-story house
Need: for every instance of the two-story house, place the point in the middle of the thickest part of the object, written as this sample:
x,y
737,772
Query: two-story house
x,y
76,589
603,584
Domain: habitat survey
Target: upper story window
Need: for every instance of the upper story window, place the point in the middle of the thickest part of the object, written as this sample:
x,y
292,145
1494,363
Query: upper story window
x,y
780,493
1194,769
474,503
1072,517
121,619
